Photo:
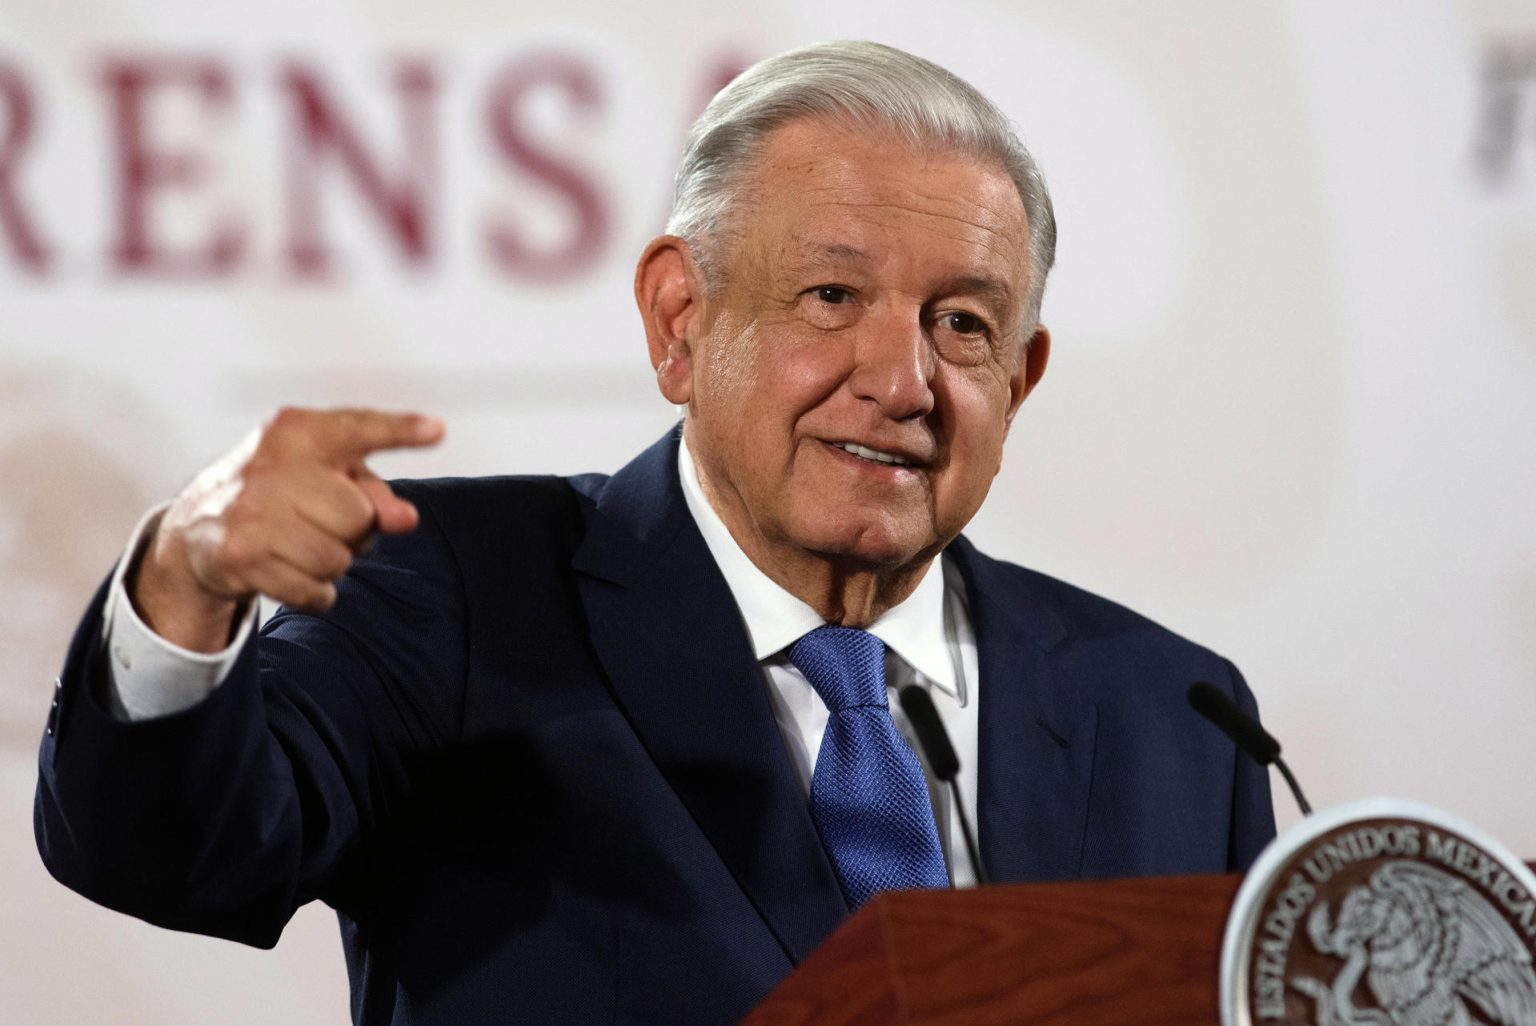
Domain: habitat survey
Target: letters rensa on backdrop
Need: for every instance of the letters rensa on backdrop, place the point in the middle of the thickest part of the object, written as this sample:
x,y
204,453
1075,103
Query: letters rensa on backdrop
x,y
399,181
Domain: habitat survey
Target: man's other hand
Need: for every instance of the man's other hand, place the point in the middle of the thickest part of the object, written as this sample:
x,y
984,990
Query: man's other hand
x,y
281,515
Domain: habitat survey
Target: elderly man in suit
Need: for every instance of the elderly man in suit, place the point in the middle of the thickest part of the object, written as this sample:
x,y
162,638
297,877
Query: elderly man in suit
x,y
617,749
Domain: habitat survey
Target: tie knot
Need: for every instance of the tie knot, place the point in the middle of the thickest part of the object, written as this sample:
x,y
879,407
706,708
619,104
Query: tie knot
x,y
845,665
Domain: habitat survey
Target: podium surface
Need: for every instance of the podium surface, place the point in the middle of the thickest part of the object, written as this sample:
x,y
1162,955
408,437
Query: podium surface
x,y
1142,952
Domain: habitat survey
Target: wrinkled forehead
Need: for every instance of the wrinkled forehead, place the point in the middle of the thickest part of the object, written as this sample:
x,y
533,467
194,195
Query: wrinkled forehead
x,y
822,192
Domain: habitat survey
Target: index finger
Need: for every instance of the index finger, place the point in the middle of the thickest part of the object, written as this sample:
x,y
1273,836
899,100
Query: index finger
x,y
351,434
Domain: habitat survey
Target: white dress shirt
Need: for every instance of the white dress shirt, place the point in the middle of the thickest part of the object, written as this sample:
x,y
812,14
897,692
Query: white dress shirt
x,y
928,637
150,676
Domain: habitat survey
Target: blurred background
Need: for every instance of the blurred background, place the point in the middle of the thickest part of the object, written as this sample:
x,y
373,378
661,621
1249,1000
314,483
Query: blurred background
x,y
1289,411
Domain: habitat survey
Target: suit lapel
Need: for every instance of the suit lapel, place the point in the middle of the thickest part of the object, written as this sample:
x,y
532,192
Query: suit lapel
x,y
1036,734
668,635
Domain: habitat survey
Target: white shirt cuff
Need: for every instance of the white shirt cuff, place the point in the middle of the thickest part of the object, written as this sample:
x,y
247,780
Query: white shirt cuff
x,y
149,676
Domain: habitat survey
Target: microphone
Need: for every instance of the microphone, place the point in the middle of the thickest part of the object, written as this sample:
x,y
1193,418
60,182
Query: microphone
x,y
1213,703
934,741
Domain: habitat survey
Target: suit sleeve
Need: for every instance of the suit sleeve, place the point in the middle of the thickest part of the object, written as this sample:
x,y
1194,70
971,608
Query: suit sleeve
x,y
226,817
1253,812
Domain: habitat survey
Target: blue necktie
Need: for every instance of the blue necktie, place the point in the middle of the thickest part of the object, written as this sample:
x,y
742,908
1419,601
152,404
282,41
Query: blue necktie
x,y
869,798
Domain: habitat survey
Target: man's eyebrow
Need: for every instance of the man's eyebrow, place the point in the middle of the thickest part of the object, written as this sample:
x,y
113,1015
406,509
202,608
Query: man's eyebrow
x,y
995,291
814,257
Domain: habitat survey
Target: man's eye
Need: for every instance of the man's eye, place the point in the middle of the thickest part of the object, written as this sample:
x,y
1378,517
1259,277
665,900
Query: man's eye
x,y
965,324
832,294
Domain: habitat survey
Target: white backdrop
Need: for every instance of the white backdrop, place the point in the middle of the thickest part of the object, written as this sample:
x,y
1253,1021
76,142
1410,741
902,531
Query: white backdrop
x,y
1288,414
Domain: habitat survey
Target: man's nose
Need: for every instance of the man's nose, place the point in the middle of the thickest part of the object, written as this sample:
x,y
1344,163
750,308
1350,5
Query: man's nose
x,y
894,364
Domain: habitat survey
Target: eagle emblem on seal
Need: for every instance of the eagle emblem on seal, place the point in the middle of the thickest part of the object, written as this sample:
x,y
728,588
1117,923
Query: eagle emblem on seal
x,y
1431,951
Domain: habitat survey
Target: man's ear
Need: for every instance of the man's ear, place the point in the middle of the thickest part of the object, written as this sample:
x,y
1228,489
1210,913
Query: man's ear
x,y
1037,353
667,293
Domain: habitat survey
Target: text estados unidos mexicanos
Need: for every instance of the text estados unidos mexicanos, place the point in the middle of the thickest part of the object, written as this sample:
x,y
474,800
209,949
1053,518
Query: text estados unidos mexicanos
x,y
1394,840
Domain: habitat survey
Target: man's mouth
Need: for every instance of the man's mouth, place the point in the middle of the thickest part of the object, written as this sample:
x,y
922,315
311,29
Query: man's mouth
x,y
872,455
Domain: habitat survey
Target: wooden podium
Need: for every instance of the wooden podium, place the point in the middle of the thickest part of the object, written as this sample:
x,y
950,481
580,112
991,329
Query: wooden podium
x,y
1112,953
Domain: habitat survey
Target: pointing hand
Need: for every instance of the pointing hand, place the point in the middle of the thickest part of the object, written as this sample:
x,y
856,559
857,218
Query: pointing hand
x,y
281,515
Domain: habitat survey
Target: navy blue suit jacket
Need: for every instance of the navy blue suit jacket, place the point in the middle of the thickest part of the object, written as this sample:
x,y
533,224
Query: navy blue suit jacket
x,y
530,760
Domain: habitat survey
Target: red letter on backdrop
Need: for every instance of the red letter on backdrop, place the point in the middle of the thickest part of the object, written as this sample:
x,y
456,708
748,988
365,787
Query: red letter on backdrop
x,y
18,129
320,131
143,169
511,135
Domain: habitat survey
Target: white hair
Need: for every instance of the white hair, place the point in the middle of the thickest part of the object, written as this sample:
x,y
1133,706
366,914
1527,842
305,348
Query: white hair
x,y
875,87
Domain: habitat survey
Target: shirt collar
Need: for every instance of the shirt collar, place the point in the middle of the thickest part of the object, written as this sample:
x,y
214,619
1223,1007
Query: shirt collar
x,y
914,628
